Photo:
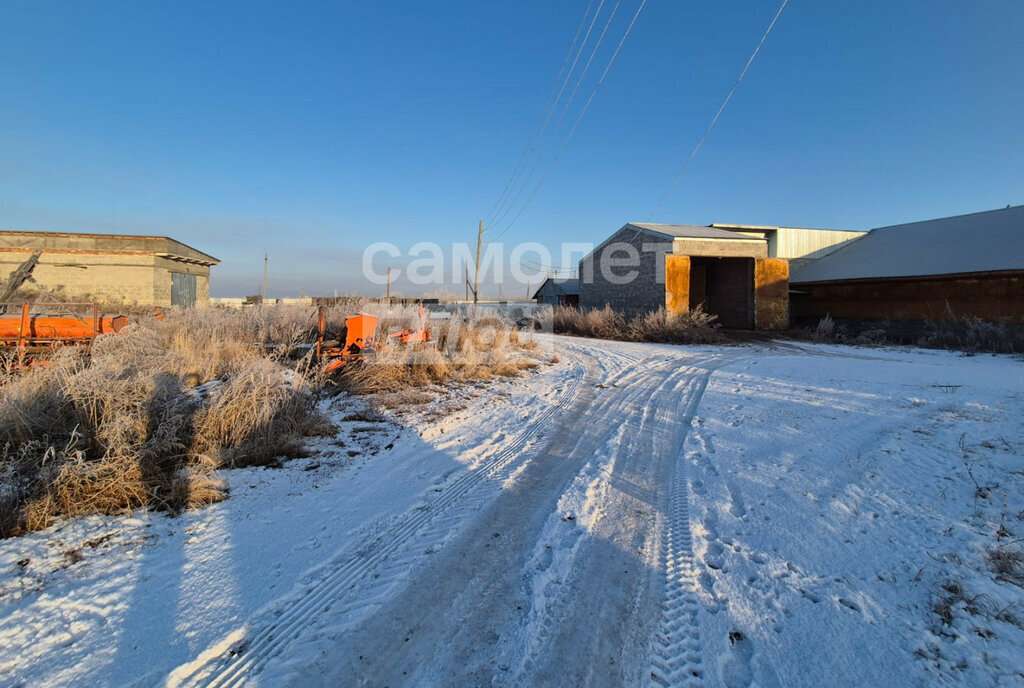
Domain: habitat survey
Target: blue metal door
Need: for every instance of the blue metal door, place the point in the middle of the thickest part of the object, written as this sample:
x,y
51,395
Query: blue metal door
x,y
183,290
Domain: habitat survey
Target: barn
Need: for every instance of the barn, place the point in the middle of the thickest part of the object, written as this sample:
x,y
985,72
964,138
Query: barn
x,y
558,292
111,269
739,273
930,271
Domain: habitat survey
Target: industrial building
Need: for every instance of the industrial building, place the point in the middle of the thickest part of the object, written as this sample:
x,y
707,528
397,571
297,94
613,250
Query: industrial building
x,y
935,270
739,273
558,292
112,269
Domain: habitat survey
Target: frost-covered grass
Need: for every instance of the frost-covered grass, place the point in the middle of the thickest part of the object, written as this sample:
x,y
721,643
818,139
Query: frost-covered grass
x,y
692,327
146,417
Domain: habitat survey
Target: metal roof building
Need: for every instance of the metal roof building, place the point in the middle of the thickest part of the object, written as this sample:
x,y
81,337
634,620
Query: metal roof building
x,y
967,265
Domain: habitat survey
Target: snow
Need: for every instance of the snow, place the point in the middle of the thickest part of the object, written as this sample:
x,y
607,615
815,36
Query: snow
x,y
762,515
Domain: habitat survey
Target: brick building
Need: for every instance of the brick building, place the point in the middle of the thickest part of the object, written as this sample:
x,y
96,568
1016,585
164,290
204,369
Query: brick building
x,y
740,273
112,269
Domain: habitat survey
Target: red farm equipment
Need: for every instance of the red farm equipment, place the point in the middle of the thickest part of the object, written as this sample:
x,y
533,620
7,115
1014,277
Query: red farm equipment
x,y
360,339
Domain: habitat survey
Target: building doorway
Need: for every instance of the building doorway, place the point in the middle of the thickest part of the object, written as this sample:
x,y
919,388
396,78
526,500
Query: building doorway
x,y
725,287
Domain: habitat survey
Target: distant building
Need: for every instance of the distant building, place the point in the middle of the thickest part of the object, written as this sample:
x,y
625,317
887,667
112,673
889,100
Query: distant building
x,y
740,273
112,269
558,292
933,270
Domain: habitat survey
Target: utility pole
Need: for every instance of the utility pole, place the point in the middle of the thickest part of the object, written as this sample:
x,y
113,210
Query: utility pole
x,y
527,291
266,258
476,278
387,294
501,295
467,283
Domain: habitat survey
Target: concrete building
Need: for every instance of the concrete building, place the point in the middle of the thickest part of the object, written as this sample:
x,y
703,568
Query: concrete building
x,y
934,270
112,269
737,272
558,292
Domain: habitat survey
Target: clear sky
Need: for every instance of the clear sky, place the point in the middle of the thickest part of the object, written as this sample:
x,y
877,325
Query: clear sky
x,y
311,130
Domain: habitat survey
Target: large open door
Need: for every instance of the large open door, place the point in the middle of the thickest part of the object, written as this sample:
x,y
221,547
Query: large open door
x,y
183,290
725,287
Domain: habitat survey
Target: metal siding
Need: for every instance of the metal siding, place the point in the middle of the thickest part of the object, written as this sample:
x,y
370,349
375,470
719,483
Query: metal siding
x,y
183,290
808,243
982,242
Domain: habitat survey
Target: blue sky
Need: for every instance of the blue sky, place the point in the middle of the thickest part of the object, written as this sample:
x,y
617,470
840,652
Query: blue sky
x,y
311,130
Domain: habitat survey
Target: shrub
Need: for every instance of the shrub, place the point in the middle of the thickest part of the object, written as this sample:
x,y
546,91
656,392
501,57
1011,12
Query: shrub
x,y
124,425
693,326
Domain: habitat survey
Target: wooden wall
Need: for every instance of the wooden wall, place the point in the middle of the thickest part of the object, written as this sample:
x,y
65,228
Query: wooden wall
x,y
990,296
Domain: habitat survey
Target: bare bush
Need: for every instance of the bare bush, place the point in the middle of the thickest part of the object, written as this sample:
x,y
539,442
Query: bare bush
x,y
693,326
825,330
145,417
971,334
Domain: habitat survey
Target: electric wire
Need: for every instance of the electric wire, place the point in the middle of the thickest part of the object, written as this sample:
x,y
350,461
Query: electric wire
x,y
579,118
549,106
568,103
718,114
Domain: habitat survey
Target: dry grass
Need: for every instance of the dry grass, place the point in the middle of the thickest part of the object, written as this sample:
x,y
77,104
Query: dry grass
x,y
120,426
693,327
146,417
460,351
973,335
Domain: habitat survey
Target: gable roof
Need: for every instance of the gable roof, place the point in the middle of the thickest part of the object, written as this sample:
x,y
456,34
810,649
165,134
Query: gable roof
x,y
671,232
979,242
569,287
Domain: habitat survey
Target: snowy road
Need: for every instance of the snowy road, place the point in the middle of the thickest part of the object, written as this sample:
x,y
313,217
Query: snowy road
x,y
633,515
509,593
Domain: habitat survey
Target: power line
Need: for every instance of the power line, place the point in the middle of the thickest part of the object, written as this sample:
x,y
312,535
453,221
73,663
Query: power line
x,y
718,114
579,118
550,105
568,103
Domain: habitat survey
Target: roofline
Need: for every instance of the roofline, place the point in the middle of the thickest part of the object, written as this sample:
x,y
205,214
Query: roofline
x,y
723,225
903,278
671,237
950,217
107,236
549,279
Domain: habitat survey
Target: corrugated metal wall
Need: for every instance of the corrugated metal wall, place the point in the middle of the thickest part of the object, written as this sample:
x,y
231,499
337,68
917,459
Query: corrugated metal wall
x,y
789,242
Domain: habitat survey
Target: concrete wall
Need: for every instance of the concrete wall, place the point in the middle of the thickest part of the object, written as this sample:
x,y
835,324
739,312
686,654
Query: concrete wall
x,y
989,296
126,278
116,279
610,285
720,248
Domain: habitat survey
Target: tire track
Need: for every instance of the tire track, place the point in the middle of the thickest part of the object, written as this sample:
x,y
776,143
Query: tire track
x,y
351,571
676,658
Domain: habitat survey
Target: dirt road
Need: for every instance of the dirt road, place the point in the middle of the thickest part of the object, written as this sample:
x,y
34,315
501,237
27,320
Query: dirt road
x,y
577,572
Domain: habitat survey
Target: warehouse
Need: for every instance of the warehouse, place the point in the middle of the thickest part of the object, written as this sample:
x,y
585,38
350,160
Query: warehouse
x,y
558,292
935,270
739,273
111,269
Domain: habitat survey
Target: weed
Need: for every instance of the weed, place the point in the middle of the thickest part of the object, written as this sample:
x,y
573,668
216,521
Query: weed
x,y
692,327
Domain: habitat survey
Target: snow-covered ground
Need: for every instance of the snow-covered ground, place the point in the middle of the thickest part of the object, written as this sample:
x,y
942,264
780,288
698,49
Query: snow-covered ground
x,y
776,515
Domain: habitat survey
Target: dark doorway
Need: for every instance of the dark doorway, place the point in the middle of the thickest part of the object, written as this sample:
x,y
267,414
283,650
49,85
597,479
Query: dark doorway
x,y
183,290
725,287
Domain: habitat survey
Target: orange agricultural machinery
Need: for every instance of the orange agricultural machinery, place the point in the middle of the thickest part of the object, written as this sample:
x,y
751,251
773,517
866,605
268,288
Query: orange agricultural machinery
x,y
360,340
35,332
